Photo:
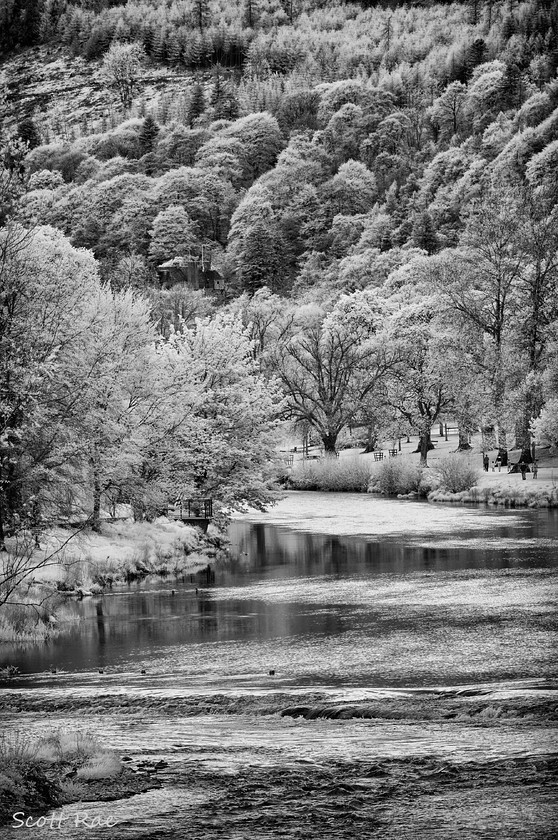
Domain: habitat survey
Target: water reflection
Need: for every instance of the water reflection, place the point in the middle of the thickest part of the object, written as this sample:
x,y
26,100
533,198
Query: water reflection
x,y
323,606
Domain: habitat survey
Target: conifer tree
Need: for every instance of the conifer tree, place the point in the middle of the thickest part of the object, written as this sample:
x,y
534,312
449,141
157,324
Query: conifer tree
x,y
147,135
223,99
424,233
196,105
28,132
250,17
288,9
387,32
475,7
217,93
476,54
489,13
201,14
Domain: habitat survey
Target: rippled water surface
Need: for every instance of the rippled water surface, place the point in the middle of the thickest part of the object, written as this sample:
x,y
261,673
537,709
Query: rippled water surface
x,y
413,671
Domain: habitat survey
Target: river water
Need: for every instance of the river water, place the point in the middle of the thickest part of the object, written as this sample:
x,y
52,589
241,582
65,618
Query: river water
x,y
360,667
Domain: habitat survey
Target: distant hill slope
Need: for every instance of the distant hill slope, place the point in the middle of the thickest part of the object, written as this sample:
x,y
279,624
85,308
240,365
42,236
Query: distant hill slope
x,y
341,131
67,94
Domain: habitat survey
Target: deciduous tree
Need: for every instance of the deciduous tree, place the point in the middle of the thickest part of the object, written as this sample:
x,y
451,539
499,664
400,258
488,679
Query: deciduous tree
x,y
174,234
332,363
122,69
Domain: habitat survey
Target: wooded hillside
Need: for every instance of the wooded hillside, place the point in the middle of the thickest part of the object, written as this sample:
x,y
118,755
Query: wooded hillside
x,y
377,185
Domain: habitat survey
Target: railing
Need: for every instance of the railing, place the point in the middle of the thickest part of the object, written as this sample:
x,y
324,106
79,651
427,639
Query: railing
x,y
191,509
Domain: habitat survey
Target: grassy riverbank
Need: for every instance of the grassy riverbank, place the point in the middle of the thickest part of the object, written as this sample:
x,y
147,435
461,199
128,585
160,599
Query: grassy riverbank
x,y
449,476
37,775
81,563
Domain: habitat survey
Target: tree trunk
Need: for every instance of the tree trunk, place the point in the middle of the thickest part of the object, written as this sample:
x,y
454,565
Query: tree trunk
x,y
329,441
463,445
523,437
425,444
371,440
533,405
2,535
96,519
502,447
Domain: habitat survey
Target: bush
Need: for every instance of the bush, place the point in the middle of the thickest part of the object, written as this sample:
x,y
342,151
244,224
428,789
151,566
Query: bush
x,y
396,476
349,475
33,615
101,766
27,769
23,782
457,472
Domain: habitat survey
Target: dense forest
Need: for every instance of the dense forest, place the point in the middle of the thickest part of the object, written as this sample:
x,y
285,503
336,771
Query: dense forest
x,y
377,183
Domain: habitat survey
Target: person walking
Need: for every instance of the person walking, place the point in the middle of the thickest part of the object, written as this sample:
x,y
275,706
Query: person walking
x,y
535,468
523,468
485,462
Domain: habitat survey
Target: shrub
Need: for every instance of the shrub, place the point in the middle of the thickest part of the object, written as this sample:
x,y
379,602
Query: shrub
x,y
27,769
73,747
395,476
351,475
101,766
24,785
32,615
457,472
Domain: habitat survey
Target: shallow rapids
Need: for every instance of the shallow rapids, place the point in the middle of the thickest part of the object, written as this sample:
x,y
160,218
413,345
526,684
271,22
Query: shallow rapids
x,y
360,668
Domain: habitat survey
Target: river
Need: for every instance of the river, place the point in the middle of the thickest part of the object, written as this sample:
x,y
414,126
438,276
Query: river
x,y
361,667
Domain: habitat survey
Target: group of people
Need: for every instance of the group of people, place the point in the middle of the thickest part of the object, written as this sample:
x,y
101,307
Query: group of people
x,y
521,467
496,463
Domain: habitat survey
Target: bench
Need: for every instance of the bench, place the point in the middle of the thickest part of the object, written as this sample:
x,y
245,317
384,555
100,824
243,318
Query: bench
x,y
392,453
378,456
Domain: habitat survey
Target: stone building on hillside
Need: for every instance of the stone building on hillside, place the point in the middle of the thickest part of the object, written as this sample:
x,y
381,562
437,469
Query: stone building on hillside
x,y
195,271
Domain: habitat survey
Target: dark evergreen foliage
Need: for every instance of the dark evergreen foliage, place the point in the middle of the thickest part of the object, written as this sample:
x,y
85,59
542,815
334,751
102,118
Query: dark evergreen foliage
x,y
147,135
196,106
28,132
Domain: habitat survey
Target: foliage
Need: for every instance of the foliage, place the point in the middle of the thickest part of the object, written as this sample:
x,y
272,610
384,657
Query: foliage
x,y
174,234
329,364
121,67
95,408
29,615
223,445
351,475
457,472
396,476
377,187
545,427
33,775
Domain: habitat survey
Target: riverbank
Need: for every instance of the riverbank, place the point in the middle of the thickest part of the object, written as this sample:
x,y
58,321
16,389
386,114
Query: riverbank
x,y
81,563
494,488
396,682
500,488
401,476
37,775
123,551
329,764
